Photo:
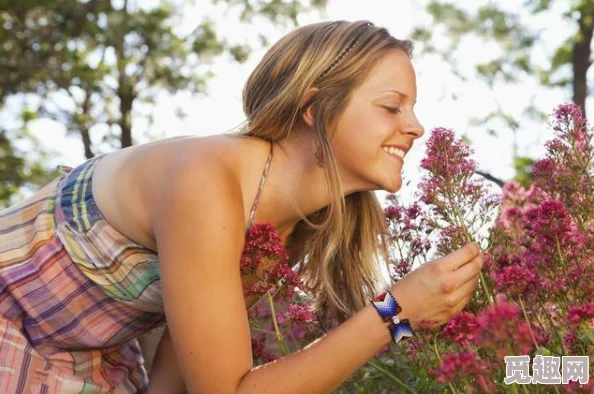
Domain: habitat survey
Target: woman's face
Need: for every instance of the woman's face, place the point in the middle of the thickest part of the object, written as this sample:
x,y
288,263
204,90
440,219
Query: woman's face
x,y
379,114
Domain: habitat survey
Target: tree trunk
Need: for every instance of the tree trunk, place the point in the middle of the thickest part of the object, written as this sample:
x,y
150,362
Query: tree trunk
x,y
581,58
84,123
86,138
125,89
126,95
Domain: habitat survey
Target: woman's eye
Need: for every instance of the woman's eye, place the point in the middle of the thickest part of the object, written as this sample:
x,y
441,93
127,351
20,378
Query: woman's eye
x,y
393,110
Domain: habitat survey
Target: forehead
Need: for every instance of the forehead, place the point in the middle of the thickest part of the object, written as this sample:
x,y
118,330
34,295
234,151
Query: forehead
x,y
393,71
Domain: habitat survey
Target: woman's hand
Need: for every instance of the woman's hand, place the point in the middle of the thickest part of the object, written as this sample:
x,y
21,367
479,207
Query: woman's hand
x,y
435,292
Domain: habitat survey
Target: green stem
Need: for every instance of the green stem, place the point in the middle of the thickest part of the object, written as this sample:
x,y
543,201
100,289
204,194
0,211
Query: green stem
x,y
583,165
514,388
279,335
546,313
589,333
452,388
469,239
392,376
563,262
528,321
488,294
263,330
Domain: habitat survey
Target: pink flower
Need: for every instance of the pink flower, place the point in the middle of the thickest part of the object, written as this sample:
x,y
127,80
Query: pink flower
x,y
259,311
458,201
262,240
448,157
501,327
579,313
300,314
407,229
516,280
548,224
568,119
401,267
461,329
300,333
457,365
577,387
570,340
264,249
565,172
259,352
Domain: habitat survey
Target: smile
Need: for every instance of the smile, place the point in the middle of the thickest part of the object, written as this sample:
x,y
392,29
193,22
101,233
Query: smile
x,y
392,151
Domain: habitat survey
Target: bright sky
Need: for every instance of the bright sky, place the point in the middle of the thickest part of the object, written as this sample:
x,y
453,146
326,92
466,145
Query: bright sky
x,y
222,108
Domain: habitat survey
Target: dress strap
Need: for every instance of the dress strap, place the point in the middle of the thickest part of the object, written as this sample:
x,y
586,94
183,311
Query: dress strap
x,y
262,181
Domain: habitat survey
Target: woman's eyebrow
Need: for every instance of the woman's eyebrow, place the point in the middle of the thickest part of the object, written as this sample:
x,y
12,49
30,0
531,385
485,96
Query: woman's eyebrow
x,y
403,95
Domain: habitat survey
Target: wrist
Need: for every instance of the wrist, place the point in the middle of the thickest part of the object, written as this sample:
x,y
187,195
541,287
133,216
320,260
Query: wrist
x,y
390,312
405,312
381,328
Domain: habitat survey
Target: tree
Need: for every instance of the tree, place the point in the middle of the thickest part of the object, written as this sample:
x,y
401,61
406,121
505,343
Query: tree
x,y
567,66
89,65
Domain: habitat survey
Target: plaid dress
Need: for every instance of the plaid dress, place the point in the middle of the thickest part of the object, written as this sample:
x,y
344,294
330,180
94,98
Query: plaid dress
x,y
75,294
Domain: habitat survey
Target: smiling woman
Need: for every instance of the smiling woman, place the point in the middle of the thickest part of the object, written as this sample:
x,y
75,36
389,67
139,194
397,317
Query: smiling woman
x,y
153,235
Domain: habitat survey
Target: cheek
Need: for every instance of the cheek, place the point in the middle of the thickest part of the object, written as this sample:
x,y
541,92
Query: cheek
x,y
365,122
360,132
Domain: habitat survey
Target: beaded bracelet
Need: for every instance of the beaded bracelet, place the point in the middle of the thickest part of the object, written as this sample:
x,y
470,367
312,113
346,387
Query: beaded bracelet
x,y
386,305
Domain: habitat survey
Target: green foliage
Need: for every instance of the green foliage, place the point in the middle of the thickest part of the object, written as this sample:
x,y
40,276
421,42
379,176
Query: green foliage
x,y
89,64
280,12
513,41
523,167
562,55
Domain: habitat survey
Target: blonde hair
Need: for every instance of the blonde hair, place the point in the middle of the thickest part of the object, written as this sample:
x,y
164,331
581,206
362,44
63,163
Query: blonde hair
x,y
343,252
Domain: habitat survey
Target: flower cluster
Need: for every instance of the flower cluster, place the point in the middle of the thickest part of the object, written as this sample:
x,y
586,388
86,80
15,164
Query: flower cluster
x,y
535,294
280,318
407,242
265,257
538,243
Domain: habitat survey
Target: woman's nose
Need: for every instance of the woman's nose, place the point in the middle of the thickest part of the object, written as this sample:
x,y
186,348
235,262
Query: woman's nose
x,y
414,127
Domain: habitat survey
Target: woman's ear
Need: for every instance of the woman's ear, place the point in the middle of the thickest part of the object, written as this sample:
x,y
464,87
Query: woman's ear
x,y
305,108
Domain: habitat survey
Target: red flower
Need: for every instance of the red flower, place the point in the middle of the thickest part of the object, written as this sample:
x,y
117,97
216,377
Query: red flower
x,y
301,314
461,329
580,313
264,249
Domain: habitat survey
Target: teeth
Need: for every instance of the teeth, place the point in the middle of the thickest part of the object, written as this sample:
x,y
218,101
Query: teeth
x,y
394,151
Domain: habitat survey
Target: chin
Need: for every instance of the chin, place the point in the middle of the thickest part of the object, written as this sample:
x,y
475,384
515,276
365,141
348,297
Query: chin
x,y
393,188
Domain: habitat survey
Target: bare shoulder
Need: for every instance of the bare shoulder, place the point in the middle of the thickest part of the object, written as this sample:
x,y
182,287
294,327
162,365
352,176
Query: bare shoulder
x,y
129,184
197,217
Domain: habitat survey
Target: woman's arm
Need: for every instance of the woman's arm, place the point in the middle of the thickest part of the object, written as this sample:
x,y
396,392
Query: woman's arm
x,y
198,221
165,375
435,292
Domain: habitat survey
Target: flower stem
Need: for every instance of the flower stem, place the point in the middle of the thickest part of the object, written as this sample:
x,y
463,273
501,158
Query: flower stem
x,y
399,382
546,313
441,362
279,335
263,330
528,321
514,388
469,239
588,331
485,289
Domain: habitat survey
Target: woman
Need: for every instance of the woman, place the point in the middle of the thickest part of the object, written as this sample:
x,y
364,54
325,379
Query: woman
x,y
154,233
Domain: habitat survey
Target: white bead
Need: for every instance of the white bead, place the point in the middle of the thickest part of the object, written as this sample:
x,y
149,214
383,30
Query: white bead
x,y
395,319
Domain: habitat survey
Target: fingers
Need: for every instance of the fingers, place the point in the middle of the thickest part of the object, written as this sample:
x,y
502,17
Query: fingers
x,y
465,293
460,285
460,257
467,271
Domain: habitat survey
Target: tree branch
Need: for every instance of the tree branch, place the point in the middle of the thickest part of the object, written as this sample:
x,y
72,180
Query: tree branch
x,y
491,178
